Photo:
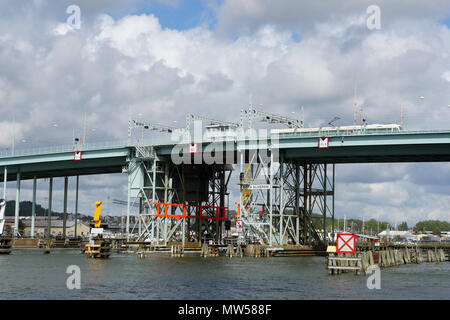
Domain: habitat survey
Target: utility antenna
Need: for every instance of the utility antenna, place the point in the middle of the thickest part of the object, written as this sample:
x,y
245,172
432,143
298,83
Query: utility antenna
x,y
302,115
13,135
355,104
363,226
401,116
84,129
129,122
360,116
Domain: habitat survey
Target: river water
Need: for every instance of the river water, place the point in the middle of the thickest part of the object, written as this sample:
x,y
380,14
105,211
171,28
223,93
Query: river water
x,y
29,274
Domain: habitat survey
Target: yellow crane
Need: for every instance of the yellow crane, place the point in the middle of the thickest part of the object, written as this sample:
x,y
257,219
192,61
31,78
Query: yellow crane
x,y
97,246
98,208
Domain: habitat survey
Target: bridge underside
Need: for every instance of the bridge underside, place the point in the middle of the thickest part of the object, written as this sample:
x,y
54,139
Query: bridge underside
x,y
379,154
342,154
64,168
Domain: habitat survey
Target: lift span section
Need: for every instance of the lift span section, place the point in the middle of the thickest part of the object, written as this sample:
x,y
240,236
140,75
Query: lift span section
x,y
404,146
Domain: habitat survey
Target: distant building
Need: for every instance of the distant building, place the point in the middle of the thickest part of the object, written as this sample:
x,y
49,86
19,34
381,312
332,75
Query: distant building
x,y
428,238
41,226
392,234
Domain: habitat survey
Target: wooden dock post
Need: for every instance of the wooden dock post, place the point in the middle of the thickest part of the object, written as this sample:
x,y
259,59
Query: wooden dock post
x,y
441,255
330,263
387,260
371,259
230,250
359,264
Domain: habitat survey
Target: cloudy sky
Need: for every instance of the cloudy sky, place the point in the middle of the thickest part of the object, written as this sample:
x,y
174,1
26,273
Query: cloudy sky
x,y
166,58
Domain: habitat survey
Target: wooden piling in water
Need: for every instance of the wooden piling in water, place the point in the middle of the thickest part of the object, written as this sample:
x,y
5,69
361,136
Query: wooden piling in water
x,y
330,263
177,251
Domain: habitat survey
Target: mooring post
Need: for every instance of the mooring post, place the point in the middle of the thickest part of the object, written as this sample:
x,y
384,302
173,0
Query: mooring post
x,y
330,263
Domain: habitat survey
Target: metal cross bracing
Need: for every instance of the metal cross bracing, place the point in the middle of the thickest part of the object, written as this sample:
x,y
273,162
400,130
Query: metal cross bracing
x,y
278,200
251,114
176,201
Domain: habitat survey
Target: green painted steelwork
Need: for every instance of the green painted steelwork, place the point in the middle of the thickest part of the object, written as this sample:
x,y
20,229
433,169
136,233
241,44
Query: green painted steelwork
x,y
359,147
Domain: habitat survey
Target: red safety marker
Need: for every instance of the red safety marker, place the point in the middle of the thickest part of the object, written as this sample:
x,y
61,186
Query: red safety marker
x,y
77,156
192,147
346,243
324,142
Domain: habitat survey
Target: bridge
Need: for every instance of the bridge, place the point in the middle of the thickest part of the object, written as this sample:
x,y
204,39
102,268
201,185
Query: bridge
x,y
285,176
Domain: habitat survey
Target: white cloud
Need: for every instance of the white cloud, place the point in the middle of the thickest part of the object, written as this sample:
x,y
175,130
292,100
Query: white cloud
x,y
446,76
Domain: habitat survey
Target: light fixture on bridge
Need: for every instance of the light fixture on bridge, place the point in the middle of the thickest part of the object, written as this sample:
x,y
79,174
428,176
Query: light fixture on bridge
x,y
334,119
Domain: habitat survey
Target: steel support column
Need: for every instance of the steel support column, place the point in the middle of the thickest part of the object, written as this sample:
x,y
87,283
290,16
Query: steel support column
x,y
49,216
128,202
17,205
297,201
66,184
305,203
324,211
76,206
33,208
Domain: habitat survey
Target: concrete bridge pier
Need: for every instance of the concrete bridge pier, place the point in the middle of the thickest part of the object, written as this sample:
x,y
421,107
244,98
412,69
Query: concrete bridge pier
x,y
76,205
49,216
33,207
66,183
16,215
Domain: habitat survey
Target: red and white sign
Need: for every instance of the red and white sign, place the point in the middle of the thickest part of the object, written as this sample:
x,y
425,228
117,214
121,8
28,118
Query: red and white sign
x,y
324,142
77,156
239,224
192,147
346,243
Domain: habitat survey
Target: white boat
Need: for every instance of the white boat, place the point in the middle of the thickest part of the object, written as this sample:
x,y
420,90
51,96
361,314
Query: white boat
x,y
5,242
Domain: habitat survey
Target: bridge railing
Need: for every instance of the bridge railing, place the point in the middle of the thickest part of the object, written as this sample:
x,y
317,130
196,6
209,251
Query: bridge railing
x,y
167,141
65,148
356,133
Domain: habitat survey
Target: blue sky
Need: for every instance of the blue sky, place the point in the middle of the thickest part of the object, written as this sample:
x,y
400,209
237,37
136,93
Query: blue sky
x,y
182,15
446,21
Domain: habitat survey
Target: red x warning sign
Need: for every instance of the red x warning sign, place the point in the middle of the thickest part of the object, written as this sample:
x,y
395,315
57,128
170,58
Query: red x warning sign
x,y
324,142
77,156
345,243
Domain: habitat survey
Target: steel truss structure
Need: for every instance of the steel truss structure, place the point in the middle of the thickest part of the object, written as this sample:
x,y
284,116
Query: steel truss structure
x,y
175,202
282,201
286,202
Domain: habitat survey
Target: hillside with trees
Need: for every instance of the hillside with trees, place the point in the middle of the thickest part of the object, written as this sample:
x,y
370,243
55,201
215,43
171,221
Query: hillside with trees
x,y
436,226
